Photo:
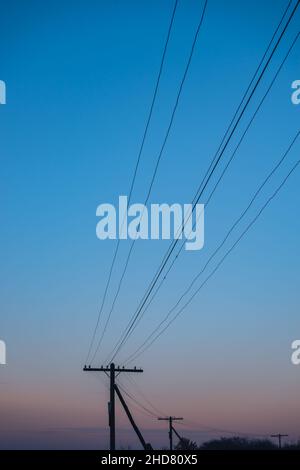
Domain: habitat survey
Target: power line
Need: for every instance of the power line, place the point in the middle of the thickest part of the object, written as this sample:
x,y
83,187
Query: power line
x,y
155,171
220,262
222,174
238,220
135,172
213,430
199,193
143,396
220,178
187,422
171,248
134,400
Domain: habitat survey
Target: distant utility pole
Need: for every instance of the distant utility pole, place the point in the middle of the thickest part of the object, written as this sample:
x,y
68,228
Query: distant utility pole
x,y
171,429
279,436
111,371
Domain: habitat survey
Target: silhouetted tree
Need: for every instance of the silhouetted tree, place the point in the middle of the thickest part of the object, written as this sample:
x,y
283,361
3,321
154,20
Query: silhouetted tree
x,y
186,444
234,443
295,446
238,443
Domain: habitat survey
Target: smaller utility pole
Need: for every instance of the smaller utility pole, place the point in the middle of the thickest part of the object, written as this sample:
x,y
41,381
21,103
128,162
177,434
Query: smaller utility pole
x,y
279,436
170,419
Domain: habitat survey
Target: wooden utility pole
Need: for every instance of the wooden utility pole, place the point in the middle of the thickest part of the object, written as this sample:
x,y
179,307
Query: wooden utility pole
x,y
279,436
170,419
112,416
112,372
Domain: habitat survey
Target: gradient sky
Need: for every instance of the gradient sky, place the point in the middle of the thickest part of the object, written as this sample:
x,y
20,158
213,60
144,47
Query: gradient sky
x,y
79,84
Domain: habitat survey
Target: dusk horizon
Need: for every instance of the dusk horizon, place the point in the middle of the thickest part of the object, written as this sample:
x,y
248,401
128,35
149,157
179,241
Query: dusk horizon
x,y
150,219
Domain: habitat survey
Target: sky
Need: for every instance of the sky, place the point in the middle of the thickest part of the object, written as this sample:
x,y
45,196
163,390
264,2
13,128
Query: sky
x,y
80,78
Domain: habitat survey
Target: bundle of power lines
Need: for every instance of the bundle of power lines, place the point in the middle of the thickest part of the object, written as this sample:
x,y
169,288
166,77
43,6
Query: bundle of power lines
x,y
175,248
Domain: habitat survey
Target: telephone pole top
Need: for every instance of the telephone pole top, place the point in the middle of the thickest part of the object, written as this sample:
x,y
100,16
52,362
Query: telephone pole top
x,y
108,369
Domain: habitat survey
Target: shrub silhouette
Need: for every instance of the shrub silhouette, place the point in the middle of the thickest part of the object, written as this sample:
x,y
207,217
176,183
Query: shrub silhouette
x,y
186,444
238,443
234,443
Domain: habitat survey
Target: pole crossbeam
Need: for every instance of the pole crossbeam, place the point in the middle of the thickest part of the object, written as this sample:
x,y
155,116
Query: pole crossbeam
x,y
108,369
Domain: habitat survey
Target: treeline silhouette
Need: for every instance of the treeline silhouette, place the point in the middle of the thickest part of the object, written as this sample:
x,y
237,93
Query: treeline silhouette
x,y
234,443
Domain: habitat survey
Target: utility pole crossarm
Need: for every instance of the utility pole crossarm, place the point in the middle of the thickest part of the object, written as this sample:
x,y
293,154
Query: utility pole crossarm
x,y
168,418
107,369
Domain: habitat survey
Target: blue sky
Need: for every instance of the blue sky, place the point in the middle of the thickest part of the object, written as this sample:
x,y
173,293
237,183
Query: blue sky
x,y
79,84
